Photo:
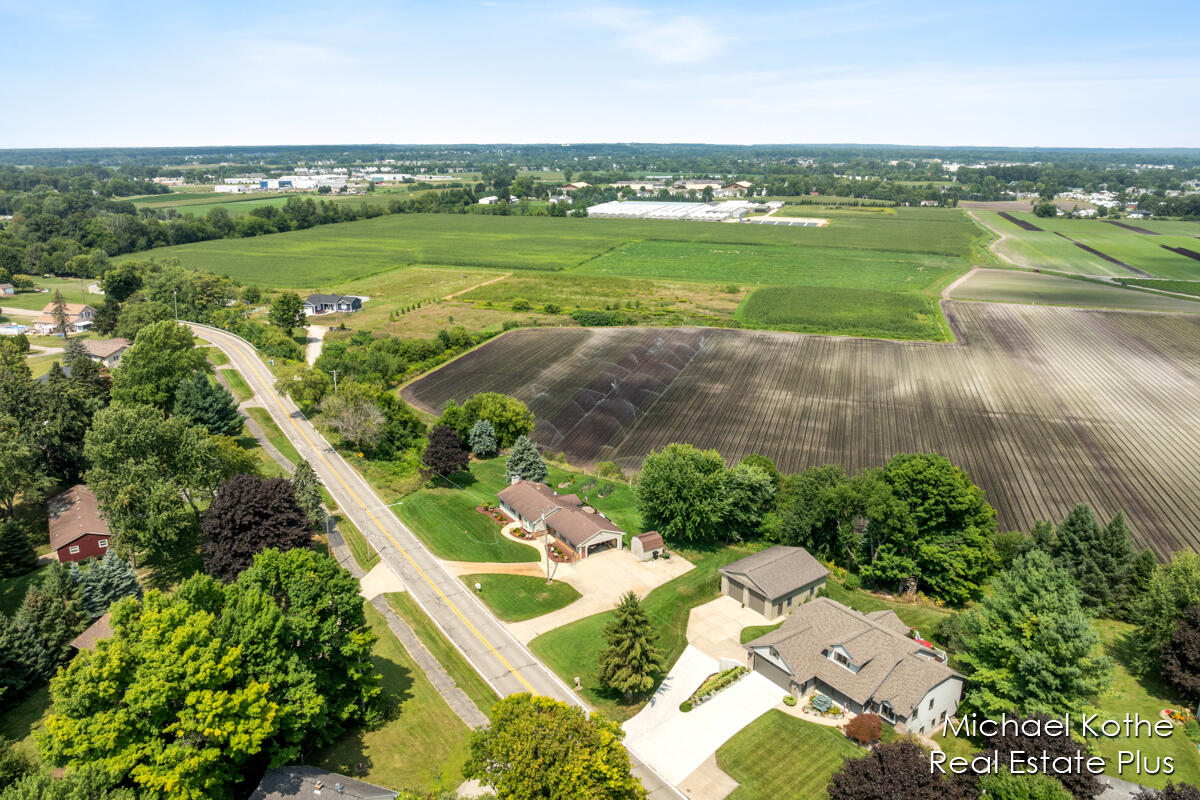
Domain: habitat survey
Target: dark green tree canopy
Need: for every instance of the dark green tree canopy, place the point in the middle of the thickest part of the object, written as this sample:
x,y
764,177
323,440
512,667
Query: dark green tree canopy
x,y
510,418
17,555
207,404
307,486
287,312
525,462
162,355
248,515
104,581
630,663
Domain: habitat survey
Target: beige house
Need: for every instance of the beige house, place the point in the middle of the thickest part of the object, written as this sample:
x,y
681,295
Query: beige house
x,y
863,662
79,319
774,580
107,351
580,530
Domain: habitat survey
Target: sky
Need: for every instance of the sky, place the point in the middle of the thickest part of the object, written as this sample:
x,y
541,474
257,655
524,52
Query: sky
x,y
1096,74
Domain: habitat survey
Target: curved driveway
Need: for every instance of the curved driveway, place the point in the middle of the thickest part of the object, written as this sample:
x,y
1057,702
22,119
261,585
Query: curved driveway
x,y
498,657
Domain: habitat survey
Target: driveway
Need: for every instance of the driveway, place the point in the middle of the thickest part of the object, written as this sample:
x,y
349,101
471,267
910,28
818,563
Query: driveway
x,y
675,743
716,627
313,340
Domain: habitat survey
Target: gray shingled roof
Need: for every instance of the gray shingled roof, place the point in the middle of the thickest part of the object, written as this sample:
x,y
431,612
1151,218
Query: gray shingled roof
x,y
312,783
891,667
777,571
569,521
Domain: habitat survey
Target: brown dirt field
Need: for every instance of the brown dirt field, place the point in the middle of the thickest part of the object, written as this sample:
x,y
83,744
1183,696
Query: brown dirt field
x,y
1018,205
1044,407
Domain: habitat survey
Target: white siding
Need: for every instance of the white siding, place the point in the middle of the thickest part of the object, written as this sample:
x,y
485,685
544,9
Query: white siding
x,y
945,697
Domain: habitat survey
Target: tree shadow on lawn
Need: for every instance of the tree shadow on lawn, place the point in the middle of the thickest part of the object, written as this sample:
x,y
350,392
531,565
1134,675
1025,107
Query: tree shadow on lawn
x,y
348,755
1123,647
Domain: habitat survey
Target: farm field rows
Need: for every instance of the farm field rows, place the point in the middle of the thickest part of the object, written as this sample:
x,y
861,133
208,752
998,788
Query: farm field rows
x,y
1013,286
1044,407
1048,248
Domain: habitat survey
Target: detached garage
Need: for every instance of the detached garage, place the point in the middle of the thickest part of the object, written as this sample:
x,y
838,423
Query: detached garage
x,y
774,581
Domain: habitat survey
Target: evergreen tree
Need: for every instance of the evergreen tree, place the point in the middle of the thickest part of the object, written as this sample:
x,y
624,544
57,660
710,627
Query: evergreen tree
x,y
74,351
630,663
17,650
59,313
14,764
1137,581
207,404
308,492
525,462
105,581
1030,645
53,615
483,439
1043,537
17,556
1098,558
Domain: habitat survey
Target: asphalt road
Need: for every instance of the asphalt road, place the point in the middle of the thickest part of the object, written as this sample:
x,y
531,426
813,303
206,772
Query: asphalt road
x,y
506,664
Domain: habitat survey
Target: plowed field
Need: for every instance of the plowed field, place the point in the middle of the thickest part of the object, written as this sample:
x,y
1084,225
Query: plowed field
x,y
1044,407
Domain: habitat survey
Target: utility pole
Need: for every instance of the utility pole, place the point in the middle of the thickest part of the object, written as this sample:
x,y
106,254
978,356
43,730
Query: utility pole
x,y
175,295
334,373
546,539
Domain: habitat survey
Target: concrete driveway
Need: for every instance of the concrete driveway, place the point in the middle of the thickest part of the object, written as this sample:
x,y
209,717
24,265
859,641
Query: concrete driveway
x,y
675,743
716,627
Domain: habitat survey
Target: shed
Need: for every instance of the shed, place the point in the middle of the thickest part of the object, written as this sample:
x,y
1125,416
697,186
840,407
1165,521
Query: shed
x,y
774,580
77,528
647,545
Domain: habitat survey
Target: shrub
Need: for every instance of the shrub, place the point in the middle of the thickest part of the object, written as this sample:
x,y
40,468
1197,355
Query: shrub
x,y
852,581
607,469
521,305
1191,730
865,728
509,324
552,308
788,700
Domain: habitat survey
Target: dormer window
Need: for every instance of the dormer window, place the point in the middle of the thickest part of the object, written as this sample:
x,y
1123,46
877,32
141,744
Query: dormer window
x,y
841,659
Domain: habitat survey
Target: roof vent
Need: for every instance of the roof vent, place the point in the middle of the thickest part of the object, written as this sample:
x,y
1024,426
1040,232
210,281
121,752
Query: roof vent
x,y
340,789
588,509
318,786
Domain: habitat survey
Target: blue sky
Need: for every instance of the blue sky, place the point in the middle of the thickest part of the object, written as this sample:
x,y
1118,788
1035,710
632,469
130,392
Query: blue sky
x,y
964,73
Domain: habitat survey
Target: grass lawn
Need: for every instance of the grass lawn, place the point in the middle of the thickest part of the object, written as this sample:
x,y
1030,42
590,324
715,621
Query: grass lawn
x,y
423,748
446,653
275,436
752,632
12,590
217,357
363,554
446,520
237,384
20,721
572,650
916,615
817,752
268,466
72,292
516,597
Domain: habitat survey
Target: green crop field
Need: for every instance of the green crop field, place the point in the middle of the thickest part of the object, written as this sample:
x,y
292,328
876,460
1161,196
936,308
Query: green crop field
x,y
1012,286
1180,287
1142,252
675,273
860,312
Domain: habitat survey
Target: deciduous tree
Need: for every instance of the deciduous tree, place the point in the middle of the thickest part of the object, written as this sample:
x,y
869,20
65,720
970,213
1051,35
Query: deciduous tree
x,y
1181,656
20,471
540,749
136,316
680,493
1079,783
151,369
865,728
287,312
1173,589
445,453
248,515
630,663
894,771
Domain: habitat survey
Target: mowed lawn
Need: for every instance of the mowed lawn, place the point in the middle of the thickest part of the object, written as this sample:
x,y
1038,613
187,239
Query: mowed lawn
x,y
1013,286
813,754
422,748
513,598
573,649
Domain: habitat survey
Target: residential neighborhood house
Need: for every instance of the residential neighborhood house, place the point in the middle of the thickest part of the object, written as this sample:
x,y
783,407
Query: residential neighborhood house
x,y
332,304
863,662
79,319
313,783
107,351
100,629
774,580
580,531
77,529
7,288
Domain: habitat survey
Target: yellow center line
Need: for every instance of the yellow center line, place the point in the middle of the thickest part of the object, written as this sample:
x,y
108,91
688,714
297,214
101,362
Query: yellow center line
x,y
392,539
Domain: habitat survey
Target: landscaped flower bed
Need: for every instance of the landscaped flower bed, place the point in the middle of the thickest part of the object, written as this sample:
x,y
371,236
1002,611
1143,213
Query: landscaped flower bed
x,y
821,706
557,555
712,685
494,513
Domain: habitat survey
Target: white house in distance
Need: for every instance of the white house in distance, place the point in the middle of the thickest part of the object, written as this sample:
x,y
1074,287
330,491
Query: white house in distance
x,y
332,304
107,351
7,289
79,319
580,530
863,662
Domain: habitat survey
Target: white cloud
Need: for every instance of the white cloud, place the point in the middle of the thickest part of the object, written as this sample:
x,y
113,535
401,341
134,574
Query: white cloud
x,y
682,39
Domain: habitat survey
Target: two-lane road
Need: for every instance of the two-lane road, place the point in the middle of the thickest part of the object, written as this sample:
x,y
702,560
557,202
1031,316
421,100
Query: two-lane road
x,y
503,661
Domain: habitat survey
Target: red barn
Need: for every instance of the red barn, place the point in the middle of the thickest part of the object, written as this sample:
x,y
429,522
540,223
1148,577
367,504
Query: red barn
x,y
77,530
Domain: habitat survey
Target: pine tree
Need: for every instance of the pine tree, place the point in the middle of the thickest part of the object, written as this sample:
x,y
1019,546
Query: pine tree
x,y
59,313
1099,559
483,439
53,615
1114,555
524,462
104,582
1043,537
17,648
308,492
17,556
630,663
208,404
74,351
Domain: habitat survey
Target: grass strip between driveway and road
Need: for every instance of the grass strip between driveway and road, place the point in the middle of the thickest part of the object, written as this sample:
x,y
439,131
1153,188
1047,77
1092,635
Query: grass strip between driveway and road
x,y
275,436
455,664
513,598
237,384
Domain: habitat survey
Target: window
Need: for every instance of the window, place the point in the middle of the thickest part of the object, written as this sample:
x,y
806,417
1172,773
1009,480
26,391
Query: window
x,y
931,702
73,549
921,729
841,659
103,543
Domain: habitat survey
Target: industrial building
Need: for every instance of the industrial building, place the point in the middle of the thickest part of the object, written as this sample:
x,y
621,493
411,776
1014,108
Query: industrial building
x,y
644,209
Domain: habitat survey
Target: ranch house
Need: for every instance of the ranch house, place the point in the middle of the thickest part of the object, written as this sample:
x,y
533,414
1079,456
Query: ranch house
x,y
863,662
579,530
774,580
332,304
77,529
